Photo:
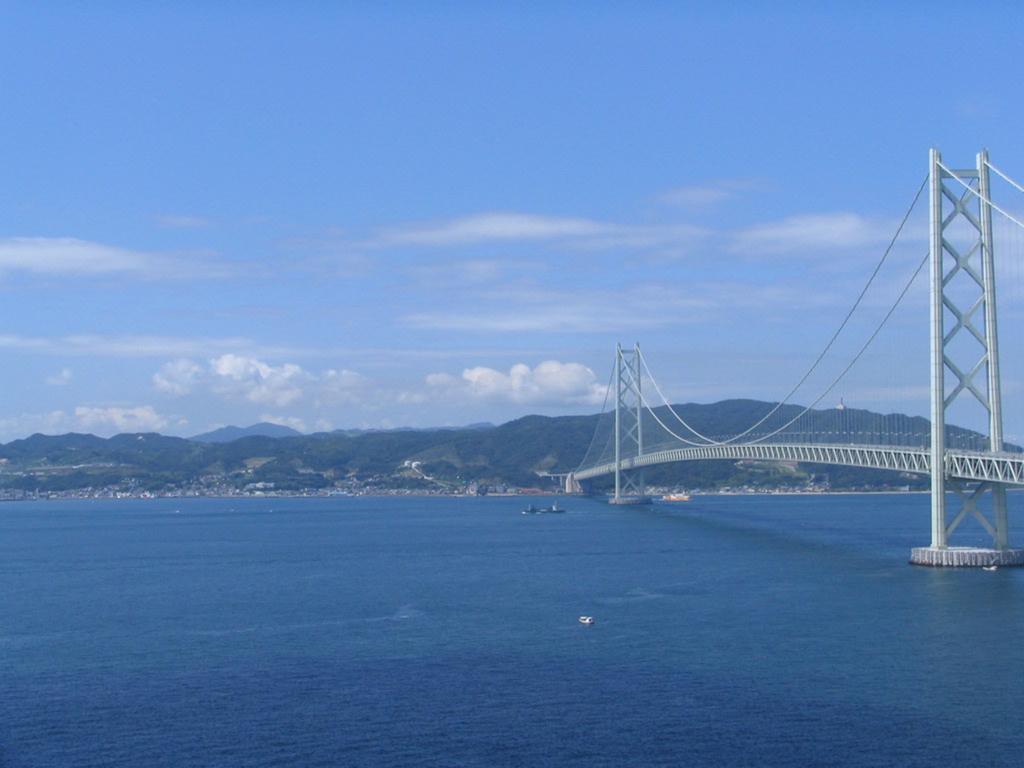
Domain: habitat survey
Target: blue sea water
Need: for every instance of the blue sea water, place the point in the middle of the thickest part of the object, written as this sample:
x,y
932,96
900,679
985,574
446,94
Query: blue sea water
x,y
731,631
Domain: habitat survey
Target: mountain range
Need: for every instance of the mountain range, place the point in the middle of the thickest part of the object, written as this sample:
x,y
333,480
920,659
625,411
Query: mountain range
x,y
510,454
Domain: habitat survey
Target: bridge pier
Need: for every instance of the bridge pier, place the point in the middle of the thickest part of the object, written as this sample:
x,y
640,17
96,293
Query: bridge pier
x,y
966,557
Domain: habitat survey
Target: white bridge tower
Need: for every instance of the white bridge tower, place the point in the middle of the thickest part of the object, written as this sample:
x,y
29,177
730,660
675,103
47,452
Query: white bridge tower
x,y
629,428
964,343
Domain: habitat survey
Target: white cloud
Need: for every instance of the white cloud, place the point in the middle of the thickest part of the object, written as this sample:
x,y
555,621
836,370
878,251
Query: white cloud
x,y
344,386
258,381
177,377
60,379
71,256
511,227
57,255
489,227
236,375
104,421
142,418
813,232
21,425
549,383
95,345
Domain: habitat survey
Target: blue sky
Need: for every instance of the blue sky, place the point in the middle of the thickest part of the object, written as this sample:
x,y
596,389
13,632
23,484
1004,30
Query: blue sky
x,y
359,215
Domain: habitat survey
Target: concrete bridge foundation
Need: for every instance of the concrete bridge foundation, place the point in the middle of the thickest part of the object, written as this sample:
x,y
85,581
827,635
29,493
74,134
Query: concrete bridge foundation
x,y
966,557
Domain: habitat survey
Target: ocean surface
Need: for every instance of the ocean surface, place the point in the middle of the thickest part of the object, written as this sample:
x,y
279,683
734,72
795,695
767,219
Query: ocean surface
x,y
731,631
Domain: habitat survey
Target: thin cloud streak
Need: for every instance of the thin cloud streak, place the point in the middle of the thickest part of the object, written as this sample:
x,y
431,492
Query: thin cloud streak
x,y
69,256
797,236
812,233
640,307
126,346
514,227
490,227
183,347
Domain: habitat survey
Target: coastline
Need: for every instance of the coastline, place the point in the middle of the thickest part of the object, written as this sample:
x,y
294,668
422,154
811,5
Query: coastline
x,y
656,497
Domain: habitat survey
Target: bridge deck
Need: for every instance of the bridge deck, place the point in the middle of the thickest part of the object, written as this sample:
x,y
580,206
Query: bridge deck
x,y
962,465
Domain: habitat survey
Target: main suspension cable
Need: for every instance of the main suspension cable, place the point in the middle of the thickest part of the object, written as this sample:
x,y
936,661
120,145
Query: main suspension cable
x,y
824,351
860,353
808,408
644,402
980,196
680,419
1005,177
593,438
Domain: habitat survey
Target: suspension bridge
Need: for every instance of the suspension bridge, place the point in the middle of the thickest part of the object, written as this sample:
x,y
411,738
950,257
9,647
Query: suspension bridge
x,y
960,445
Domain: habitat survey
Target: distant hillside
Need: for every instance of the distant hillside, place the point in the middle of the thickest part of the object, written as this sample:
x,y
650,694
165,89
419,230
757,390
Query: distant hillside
x,y
228,434
356,432
510,454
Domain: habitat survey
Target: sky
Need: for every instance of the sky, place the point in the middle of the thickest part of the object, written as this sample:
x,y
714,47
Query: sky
x,y
356,215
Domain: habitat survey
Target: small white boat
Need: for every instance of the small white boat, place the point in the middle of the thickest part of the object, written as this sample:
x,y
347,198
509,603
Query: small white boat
x,y
586,620
990,567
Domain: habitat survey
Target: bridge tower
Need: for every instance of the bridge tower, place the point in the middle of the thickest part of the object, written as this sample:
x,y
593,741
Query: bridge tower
x,y
629,430
962,290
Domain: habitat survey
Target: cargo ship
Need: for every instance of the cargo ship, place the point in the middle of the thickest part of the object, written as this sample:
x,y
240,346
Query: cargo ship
x,y
554,509
676,497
